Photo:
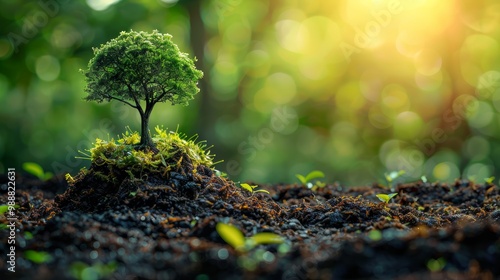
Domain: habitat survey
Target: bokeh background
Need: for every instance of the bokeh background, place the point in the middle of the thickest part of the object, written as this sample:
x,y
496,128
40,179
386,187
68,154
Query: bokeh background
x,y
354,88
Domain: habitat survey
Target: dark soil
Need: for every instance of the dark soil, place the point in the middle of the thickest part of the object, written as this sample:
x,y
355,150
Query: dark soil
x,y
162,226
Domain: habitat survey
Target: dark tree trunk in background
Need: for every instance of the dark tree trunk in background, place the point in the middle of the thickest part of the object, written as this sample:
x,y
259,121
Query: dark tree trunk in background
x,y
198,38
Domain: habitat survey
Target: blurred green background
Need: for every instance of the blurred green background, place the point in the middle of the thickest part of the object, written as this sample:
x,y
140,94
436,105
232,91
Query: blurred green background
x,y
354,88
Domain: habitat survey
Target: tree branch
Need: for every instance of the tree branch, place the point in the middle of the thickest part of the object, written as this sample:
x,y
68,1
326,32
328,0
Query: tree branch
x,y
121,100
138,105
162,95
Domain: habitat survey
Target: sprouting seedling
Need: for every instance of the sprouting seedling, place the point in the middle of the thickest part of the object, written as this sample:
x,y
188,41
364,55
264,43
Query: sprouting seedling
x,y
435,265
390,177
37,256
5,208
306,180
234,237
251,189
219,173
36,170
386,197
489,180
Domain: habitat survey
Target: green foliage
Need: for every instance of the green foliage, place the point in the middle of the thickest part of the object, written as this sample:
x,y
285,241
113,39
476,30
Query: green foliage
x,y
251,189
4,208
390,177
435,265
489,180
220,173
172,148
306,180
83,271
386,197
37,256
28,235
69,178
375,235
36,170
234,237
141,66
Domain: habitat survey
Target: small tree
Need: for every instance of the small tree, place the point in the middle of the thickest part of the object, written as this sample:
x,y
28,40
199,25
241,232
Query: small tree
x,y
141,67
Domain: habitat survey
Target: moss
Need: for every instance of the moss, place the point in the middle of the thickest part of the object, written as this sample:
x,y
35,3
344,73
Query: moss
x,y
174,150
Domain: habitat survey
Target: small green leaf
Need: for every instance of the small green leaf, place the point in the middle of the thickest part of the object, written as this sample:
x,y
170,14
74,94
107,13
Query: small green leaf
x,y
28,235
261,191
34,169
314,174
320,184
386,197
424,179
266,238
37,257
489,180
435,265
231,234
248,187
301,178
163,161
4,208
375,235
47,176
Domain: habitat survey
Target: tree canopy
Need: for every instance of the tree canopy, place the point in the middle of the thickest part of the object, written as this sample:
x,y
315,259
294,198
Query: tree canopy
x,y
141,66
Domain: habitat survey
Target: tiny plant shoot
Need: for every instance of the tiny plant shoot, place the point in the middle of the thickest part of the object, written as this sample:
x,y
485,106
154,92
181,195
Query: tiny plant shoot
x,y
36,170
386,197
306,180
489,180
251,189
234,237
141,69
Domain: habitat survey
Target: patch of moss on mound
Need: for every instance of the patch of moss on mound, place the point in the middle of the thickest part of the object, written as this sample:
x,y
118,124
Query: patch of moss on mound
x,y
174,152
119,171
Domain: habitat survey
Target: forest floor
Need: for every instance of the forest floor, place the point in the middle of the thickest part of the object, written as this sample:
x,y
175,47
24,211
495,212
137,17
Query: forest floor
x,y
164,227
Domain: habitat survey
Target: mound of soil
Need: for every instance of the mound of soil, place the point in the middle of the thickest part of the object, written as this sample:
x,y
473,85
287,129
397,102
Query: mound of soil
x,y
112,224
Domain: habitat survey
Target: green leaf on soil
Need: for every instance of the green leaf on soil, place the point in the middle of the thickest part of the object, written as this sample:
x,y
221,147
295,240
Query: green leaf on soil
x,y
489,180
37,257
301,178
312,175
386,197
231,234
28,235
375,235
4,208
248,187
266,238
435,265
261,191
36,170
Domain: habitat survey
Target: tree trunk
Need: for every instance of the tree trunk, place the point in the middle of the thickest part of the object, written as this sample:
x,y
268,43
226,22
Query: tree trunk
x,y
146,140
